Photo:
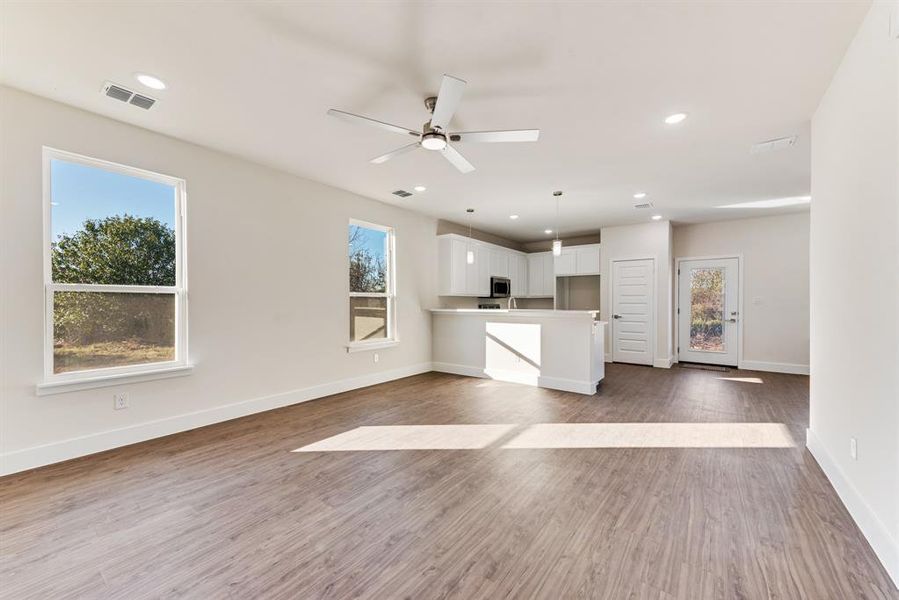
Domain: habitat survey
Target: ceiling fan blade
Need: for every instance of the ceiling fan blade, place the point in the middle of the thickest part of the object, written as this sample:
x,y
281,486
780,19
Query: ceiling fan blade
x,y
514,135
457,160
447,101
351,118
385,157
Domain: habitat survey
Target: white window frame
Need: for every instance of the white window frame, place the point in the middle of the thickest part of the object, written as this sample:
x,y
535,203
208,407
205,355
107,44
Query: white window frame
x,y
60,382
392,338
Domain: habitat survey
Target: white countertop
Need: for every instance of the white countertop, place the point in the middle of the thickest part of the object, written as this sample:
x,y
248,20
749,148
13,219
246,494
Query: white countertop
x,y
518,312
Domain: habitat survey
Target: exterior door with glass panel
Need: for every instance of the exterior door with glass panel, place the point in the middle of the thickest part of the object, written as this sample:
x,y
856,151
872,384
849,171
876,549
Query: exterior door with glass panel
x,y
708,311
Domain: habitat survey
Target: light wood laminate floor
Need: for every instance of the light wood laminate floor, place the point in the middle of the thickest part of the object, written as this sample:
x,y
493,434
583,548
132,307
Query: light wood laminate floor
x,y
508,511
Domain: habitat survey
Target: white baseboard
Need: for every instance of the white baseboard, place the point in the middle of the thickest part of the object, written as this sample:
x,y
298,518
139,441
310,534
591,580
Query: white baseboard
x,y
884,545
663,363
555,383
773,367
38,456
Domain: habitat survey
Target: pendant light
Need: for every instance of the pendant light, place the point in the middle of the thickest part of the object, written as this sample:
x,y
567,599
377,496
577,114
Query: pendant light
x,y
469,254
557,243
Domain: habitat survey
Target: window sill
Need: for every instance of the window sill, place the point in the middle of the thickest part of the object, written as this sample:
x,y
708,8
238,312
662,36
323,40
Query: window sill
x,y
97,381
364,346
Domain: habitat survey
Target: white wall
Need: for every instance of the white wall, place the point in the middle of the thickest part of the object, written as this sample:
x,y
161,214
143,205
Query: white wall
x,y
855,283
646,240
775,283
268,288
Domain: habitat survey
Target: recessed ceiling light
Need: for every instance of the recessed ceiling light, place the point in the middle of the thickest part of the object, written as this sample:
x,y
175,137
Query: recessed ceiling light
x,y
547,231
513,217
675,118
772,203
419,188
656,217
150,81
640,195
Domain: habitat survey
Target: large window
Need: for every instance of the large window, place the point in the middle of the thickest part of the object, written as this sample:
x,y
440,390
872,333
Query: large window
x,y
114,276
372,312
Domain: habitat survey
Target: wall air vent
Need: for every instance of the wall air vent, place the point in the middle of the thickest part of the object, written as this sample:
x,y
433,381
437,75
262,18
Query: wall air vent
x,y
402,193
776,144
643,205
123,94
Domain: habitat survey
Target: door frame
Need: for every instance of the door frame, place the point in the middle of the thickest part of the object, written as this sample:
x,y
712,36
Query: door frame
x,y
740,290
652,305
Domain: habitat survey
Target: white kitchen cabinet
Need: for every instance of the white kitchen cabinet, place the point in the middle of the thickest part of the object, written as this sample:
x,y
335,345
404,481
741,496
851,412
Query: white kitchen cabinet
x,y
482,264
458,278
577,260
587,259
549,276
541,276
499,262
566,263
518,274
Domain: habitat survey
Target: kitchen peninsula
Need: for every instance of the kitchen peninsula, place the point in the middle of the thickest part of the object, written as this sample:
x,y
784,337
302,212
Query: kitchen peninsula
x,y
557,349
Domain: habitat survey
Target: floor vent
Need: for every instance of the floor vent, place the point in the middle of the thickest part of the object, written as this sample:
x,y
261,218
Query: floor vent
x,y
402,193
123,94
702,367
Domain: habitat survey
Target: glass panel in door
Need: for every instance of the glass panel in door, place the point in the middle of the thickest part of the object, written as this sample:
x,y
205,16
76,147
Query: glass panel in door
x,y
707,310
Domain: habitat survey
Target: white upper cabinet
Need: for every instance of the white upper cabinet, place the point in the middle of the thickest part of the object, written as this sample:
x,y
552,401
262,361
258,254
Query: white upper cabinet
x,y
587,259
499,262
541,278
531,274
566,263
482,262
518,274
458,278
578,260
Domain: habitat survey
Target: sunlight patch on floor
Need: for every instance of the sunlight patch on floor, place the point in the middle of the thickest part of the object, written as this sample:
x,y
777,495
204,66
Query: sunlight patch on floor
x,y
557,435
742,379
653,435
411,437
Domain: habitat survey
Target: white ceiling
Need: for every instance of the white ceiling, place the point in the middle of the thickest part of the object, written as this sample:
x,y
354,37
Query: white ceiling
x,y
255,80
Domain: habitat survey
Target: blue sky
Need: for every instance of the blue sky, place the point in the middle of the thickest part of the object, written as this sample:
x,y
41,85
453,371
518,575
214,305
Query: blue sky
x,y
81,192
372,240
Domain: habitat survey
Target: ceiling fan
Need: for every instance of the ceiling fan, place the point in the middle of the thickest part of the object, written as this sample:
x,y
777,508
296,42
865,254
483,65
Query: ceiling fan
x,y
434,134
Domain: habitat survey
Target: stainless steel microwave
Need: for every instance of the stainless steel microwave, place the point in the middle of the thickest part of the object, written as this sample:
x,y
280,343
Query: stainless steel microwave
x,y
500,287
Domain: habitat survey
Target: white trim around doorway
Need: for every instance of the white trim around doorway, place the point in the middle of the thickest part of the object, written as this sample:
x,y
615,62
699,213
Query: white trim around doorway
x,y
676,315
611,300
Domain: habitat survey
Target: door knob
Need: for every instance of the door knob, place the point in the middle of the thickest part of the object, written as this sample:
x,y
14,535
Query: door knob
x,y
732,320
616,316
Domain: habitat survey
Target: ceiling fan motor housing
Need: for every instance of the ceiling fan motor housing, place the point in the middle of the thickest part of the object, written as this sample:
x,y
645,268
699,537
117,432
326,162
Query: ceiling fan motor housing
x,y
433,140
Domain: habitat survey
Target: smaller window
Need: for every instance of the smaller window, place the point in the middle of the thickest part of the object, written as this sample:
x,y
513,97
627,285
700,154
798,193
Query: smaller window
x,y
372,291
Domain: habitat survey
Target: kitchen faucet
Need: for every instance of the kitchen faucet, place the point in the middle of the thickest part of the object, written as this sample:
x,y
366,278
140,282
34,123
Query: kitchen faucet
x,y
512,302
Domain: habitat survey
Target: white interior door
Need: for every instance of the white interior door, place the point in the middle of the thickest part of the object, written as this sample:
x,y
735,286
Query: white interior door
x,y
632,302
708,305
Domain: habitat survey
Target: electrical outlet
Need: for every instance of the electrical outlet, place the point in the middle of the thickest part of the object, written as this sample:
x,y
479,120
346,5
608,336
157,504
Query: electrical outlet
x,y
376,357
119,401
853,448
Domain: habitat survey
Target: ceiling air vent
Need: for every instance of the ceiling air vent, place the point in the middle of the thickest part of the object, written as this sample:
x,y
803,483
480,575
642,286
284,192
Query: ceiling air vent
x,y
402,193
123,94
144,102
643,205
776,144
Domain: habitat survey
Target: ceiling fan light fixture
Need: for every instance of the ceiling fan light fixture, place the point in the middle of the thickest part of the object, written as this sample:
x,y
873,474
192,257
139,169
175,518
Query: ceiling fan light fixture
x,y
433,141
